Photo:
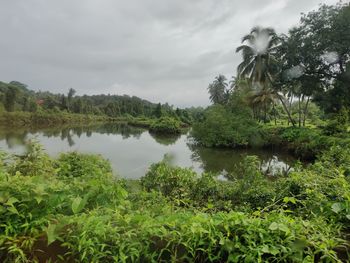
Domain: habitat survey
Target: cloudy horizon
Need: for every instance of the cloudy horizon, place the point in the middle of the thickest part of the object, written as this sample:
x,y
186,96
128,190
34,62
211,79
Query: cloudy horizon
x,y
159,50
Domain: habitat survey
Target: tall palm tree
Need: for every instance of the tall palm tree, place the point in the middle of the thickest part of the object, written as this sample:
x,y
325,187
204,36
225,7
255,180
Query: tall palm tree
x,y
259,51
217,90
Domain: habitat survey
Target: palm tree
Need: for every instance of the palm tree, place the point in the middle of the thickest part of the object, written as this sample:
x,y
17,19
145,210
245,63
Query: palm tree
x,y
217,90
259,50
262,99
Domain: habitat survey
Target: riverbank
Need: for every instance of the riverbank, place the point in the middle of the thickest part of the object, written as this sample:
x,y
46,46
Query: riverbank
x,y
304,143
45,119
72,209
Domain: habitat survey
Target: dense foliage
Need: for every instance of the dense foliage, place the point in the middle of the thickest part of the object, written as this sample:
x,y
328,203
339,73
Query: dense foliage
x,y
300,79
304,143
220,127
166,125
15,96
73,209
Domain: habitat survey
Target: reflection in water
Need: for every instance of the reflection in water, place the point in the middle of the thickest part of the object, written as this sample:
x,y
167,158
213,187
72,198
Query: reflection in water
x,y
132,150
15,137
225,161
165,139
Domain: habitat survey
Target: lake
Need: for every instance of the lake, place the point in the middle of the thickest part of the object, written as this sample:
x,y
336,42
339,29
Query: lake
x,y
132,150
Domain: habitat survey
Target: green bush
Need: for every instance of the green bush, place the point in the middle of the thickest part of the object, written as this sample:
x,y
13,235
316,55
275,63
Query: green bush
x,y
174,182
339,124
221,127
34,161
101,236
304,143
250,188
166,125
77,165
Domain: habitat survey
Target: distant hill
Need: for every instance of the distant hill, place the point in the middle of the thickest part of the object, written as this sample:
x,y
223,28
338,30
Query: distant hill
x,y
16,96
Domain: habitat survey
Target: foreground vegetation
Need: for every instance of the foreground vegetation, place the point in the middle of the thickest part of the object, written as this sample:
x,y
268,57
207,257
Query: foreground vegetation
x,y
73,209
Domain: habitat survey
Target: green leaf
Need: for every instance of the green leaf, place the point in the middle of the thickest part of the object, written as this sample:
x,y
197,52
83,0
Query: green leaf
x,y
77,205
348,217
11,201
51,234
337,207
283,228
13,210
38,199
289,200
273,226
269,250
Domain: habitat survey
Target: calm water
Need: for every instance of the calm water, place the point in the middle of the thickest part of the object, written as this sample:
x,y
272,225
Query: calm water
x,y
132,150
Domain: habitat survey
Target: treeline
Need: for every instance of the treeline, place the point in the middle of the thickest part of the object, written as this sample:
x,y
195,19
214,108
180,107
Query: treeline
x,y
15,96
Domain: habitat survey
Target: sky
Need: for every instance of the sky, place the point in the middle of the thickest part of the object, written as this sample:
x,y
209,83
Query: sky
x,y
159,50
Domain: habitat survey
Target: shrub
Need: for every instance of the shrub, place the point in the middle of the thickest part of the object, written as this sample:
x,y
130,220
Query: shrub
x,y
166,125
339,124
33,162
223,128
82,165
304,143
174,182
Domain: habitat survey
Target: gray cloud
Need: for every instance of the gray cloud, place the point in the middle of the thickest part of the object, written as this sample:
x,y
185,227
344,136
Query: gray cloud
x,y
160,50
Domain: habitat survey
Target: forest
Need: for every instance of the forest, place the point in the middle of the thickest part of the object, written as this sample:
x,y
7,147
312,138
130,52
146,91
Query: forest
x,y
17,102
291,91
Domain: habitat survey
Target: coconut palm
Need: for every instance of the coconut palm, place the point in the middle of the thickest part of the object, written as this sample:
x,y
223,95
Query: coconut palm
x,y
261,99
217,90
258,50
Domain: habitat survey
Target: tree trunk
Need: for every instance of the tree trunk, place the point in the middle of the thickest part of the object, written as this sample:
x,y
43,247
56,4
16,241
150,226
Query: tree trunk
x,y
274,112
305,110
286,109
299,111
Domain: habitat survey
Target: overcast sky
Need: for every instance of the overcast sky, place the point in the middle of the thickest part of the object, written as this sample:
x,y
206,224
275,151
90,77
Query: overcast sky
x,y
160,50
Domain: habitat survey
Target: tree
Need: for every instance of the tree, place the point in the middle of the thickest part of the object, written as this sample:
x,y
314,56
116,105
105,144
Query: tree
x,y
158,111
258,55
70,96
261,99
21,86
63,103
320,45
10,98
218,90
259,60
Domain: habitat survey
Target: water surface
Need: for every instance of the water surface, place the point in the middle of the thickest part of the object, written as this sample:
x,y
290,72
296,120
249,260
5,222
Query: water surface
x,y
132,150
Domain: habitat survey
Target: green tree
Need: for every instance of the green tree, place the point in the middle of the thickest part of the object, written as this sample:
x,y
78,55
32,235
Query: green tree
x,y
158,111
261,100
70,97
321,46
258,52
10,98
63,103
218,90
259,63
